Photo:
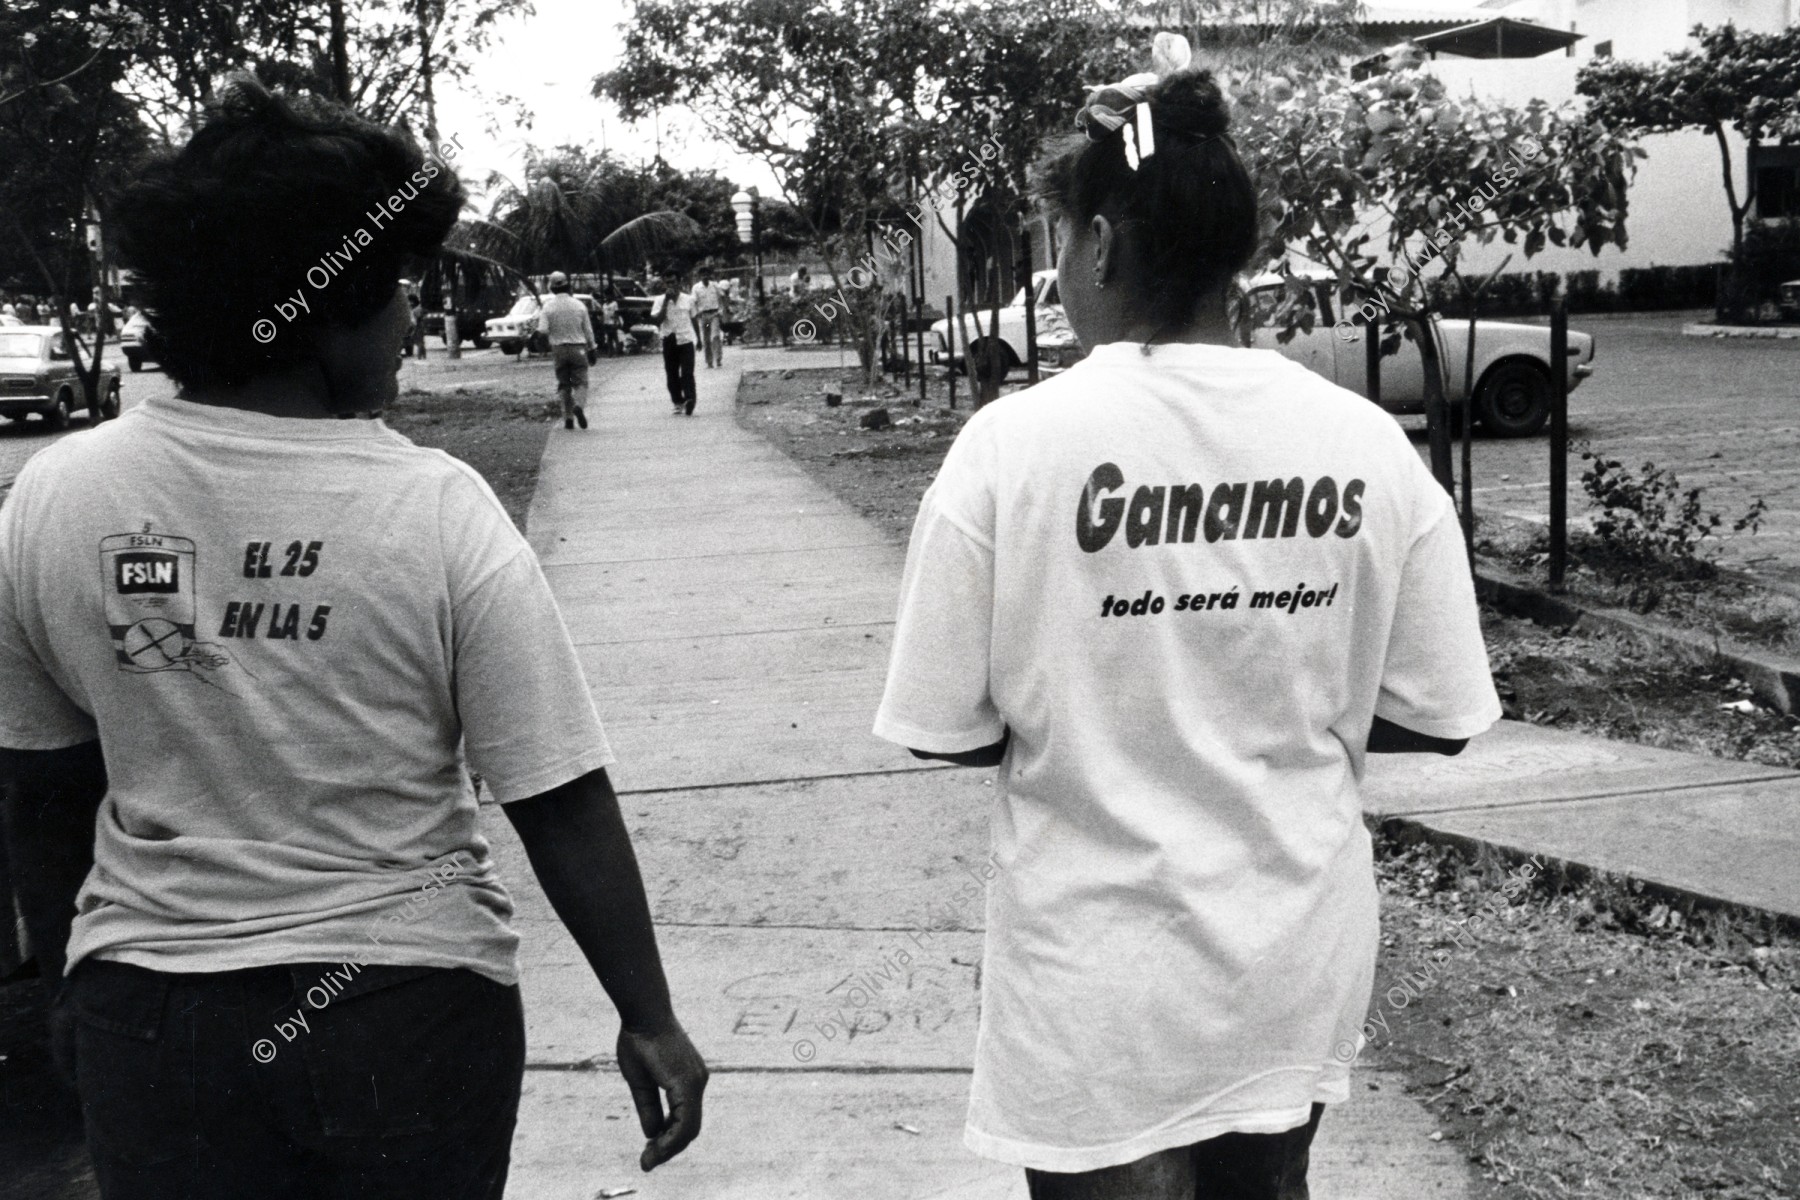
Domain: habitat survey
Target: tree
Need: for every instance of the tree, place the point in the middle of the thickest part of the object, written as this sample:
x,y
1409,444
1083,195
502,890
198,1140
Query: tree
x,y
572,201
1747,81
1015,74
1333,156
384,58
66,135
820,93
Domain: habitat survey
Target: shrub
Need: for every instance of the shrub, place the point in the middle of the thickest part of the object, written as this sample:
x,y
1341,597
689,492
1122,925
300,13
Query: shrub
x,y
1649,524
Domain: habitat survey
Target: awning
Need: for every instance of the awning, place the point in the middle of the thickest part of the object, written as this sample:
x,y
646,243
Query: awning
x,y
1499,37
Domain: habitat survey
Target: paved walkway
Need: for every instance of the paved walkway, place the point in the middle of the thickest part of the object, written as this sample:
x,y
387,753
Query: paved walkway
x,y
734,620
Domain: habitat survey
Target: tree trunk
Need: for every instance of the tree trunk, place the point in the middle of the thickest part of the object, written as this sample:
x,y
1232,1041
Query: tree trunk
x,y
422,12
996,363
340,53
1437,424
1031,354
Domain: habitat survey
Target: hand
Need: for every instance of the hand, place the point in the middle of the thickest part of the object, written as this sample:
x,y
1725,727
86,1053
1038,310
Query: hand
x,y
669,1062
593,356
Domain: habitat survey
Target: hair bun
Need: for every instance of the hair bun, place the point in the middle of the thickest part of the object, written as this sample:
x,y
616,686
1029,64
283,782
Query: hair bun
x,y
1189,103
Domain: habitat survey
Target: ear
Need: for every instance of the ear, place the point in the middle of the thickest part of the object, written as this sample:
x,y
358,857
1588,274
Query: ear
x,y
1106,250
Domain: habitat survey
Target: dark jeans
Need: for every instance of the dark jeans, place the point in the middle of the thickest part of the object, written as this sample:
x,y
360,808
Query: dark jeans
x,y
1233,1166
405,1085
678,366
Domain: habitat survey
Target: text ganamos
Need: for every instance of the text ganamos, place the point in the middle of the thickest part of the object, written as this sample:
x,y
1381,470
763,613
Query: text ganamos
x,y
1178,512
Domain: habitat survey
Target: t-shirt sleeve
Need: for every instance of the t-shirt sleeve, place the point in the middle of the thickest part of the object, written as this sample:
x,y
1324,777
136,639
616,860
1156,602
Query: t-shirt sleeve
x,y
937,696
528,719
1436,680
35,714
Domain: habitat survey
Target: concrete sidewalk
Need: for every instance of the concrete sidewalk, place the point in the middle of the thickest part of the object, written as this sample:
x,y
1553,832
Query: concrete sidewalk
x,y
734,620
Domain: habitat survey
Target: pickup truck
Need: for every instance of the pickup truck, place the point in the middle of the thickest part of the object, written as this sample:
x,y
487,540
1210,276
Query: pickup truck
x,y
38,376
1512,361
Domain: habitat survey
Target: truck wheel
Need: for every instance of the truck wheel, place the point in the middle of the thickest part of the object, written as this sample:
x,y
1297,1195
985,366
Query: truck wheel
x,y
1514,398
57,415
511,347
979,357
109,406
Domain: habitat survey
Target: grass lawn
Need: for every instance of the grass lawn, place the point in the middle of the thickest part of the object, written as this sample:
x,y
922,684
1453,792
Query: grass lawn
x,y
1589,1041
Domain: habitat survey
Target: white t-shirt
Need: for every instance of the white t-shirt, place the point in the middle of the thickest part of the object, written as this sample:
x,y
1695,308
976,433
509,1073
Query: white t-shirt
x,y
675,317
1187,582
706,298
289,635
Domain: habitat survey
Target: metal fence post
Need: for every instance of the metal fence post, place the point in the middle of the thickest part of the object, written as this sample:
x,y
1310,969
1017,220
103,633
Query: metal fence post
x,y
1372,367
950,366
1559,440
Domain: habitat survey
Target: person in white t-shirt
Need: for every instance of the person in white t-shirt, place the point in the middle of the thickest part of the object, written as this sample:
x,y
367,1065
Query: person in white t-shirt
x,y
249,656
679,326
1177,594
708,310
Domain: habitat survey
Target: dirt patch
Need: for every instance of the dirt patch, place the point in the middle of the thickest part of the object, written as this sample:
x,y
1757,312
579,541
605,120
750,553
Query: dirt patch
x,y
1729,605
498,434
1592,1042
881,473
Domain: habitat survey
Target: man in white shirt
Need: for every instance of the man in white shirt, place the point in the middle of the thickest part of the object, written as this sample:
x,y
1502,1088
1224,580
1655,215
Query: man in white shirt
x,y
708,305
679,326
570,332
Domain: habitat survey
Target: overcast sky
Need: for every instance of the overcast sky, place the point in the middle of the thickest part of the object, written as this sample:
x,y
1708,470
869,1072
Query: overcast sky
x,y
549,62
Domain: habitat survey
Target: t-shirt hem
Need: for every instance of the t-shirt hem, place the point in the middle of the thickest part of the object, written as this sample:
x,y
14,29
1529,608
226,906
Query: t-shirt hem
x,y
1063,1159
1458,727
539,782
937,741
14,738
507,974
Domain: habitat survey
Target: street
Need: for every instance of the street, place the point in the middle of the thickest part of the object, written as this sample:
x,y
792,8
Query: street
x,y
1720,412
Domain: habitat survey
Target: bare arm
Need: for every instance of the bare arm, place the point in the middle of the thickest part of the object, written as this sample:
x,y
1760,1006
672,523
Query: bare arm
x,y
582,855
51,799
1385,737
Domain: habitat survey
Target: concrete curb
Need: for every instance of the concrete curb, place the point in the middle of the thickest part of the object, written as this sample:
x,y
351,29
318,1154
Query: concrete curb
x,y
1579,875
1773,678
1696,329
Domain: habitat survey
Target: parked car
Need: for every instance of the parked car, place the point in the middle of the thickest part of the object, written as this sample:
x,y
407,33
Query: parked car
x,y
138,342
513,331
1056,344
1788,300
38,376
1512,361
517,330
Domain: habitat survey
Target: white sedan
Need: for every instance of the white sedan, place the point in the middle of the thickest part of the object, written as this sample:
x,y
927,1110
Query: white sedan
x,y
1512,361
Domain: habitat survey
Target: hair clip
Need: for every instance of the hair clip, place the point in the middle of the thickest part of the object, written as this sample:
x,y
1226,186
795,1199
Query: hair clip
x,y
1123,105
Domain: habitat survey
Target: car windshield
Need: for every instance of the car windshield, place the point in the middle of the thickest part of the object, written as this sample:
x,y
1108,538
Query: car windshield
x,y
20,345
1266,302
524,306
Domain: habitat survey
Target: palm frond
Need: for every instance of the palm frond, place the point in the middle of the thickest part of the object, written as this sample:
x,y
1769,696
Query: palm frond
x,y
651,234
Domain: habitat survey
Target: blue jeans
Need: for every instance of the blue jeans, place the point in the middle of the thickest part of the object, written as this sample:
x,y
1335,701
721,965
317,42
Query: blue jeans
x,y
405,1083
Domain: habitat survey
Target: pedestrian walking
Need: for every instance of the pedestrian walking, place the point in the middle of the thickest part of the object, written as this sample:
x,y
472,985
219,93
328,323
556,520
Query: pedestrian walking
x,y
679,328
609,325
1260,585
291,970
415,336
570,332
708,308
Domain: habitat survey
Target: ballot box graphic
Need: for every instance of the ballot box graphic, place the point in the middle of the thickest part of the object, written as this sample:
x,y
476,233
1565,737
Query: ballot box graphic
x,y
148,581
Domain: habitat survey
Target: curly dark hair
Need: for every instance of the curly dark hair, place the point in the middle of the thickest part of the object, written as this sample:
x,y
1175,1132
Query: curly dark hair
x,y
1193,199
276,200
